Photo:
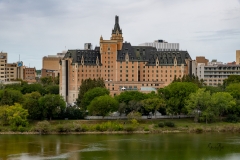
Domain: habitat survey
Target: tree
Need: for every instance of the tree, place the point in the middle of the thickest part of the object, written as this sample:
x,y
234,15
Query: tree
x,y
231,79
102,106
30,103
91,94
213,89
52,105
175,95
35,87
234,90
52,89
88,84
3,115
198,102
153,104
128,96
222,101
9,97
17,116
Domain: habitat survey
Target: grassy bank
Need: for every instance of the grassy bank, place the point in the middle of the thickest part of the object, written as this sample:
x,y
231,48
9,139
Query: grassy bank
x,y
120,126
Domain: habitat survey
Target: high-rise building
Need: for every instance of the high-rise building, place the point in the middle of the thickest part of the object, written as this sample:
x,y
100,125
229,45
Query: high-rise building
x,y
237,56
10,71
162,45
121,65
50,64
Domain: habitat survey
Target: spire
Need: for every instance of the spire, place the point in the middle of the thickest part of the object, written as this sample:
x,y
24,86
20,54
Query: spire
x,y
116,26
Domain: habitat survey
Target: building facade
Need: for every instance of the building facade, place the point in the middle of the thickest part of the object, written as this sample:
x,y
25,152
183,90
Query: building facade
x,y
10,71
237,56
29,74
162,45
121,65
50,65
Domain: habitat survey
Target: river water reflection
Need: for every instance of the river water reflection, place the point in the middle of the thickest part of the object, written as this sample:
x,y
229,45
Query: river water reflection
x,y
170,146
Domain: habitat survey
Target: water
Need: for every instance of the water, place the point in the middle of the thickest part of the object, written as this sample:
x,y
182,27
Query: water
x,y
170,146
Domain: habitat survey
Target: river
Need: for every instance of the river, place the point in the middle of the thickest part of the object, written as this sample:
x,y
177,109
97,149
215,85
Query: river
x,y
168,146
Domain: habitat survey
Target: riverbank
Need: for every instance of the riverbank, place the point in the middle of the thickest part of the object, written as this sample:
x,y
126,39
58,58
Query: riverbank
x,y
121,127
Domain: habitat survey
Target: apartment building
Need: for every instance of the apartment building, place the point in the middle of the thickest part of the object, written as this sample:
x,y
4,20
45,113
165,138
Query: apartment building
x,y
10,71
162,45
29,74
121,65
50,65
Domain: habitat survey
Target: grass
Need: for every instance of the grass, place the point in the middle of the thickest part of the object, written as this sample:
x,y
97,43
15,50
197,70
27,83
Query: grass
x,y
149,126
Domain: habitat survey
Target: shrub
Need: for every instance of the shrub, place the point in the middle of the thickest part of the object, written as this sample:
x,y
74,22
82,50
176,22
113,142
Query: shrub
x,y
199,130
169,124
129,129
233,118
146,129
43,127
21,128
63,128
77,128
161,124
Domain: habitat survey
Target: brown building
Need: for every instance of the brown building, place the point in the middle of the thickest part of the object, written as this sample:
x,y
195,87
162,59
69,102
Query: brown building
x,y
29,74
121,65
50,65
202,59
10,71
237,56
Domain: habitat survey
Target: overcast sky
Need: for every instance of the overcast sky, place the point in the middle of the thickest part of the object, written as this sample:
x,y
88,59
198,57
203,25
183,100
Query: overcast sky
x,y
37,28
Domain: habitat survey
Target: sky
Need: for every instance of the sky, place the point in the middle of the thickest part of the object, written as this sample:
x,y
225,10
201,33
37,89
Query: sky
x,y
30,30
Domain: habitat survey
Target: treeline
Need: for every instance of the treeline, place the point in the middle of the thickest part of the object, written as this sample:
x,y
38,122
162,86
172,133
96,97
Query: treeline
x,y
38,101
187,95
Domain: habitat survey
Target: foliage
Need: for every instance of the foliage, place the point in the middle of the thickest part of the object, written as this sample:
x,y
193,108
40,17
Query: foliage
x,y
198,102
222,101
134,115
9,97
234,90
88,84
127,96
43,127
102,105
3,115
213,89
49,80
231,79
91,94
52,89
73,112
161,124
176,94
64,127
17,116
30,103
153,104
189,78
109,126
52,105
35,87
233,118
169,124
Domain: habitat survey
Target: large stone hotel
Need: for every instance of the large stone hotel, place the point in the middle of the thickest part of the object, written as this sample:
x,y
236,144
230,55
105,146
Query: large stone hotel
x,y
121,65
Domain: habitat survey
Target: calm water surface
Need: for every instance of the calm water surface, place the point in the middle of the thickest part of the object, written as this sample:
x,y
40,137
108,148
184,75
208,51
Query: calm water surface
x,y
173,146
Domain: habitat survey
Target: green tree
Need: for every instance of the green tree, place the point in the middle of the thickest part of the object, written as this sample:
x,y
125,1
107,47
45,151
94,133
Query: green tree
x,y
88,84
128,96
35,87
176,94
198,102
153,104
222,101
231,79
91,94
234,90
17,116
102,106
31,104
9,97
52,89
52,105
3,115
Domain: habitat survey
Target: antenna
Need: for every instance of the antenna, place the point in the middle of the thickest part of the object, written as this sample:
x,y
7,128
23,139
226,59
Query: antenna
x,y
19,57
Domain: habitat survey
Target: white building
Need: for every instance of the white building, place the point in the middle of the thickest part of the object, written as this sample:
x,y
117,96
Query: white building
x,y
162,45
